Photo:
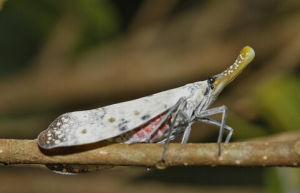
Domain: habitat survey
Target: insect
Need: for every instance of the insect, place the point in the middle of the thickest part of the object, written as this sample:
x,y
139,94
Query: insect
x,y
158,118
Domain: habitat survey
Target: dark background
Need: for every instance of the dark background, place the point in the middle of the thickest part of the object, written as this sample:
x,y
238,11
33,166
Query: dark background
x,y
62,56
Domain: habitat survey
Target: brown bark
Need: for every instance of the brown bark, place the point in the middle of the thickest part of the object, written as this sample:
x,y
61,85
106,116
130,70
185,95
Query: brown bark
x,y
276,151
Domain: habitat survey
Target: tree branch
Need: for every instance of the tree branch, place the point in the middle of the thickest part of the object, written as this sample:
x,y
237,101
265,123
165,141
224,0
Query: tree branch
x,y
268,152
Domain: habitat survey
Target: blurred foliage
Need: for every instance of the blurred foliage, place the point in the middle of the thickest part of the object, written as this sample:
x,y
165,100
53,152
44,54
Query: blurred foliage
x,y
282,180
279,102
272,181
98,18
245,129
22,34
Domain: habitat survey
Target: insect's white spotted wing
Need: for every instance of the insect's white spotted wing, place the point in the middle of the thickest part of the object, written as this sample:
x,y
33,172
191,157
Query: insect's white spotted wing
x,y
83,127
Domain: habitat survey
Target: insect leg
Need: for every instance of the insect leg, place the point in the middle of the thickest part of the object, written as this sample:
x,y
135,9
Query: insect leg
x,y
213,111
187,130
178,110
217,123
175,135
168,114
186,134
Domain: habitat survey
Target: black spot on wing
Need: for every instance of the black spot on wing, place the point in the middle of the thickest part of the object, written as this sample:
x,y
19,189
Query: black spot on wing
x,y
101,112
145,117
123,124
123,128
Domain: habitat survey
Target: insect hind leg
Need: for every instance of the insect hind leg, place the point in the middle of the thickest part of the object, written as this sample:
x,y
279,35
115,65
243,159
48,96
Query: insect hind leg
x,y
178,111
165,118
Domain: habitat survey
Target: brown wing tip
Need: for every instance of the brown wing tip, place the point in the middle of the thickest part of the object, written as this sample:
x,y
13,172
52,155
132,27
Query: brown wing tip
x,y
43,141
55,134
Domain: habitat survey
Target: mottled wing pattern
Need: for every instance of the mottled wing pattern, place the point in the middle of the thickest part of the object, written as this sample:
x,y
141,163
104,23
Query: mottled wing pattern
x,y
83,127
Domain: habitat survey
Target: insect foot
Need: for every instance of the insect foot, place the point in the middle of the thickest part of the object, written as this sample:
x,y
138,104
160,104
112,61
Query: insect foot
x,y
161,165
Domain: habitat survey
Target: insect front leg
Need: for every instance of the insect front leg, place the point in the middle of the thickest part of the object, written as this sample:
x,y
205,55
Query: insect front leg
x,y
213,111
217,123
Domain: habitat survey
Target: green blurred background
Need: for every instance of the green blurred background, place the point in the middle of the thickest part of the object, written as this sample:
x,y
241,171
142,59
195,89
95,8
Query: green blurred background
x,y
61,56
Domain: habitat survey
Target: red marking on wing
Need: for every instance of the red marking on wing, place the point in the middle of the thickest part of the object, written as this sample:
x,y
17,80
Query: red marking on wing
x,y
140,133
145,130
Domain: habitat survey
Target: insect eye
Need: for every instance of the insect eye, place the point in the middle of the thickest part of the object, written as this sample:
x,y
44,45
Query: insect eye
x,y
211,81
